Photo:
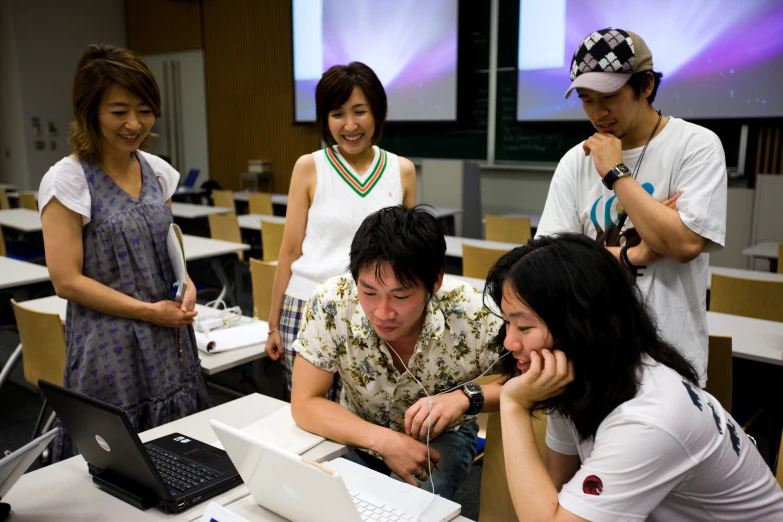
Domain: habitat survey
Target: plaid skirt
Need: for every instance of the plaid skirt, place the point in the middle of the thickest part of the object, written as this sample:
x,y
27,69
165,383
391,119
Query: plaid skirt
x,y
289,329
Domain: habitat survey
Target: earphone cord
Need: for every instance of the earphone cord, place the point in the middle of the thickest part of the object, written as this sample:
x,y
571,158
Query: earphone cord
x,y
429,417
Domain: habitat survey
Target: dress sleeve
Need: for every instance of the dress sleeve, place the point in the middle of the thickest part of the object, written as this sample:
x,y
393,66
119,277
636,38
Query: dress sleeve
x,y
65,181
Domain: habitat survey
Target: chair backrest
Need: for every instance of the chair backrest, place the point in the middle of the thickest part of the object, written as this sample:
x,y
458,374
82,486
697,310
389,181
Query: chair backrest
x,y
747,297
506,229
719,370
476,261
4,204
28,200
2,242
262,275
223,198
226,228
780,258
495,498
260,203
43,345
779,469
191,178
271,239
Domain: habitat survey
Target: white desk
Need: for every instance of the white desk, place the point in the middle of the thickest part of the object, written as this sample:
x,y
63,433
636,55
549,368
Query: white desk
x,y
64,492
277,199
189,191
756,275
754,339
454,245
446,212
479,284
765,249
15,195
191,211
197,247
253,221
22,219
19,273
535,219
211,363
7,186
247,508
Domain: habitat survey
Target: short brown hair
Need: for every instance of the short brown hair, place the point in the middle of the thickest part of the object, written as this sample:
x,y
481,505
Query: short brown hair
x,y
100,68
336,86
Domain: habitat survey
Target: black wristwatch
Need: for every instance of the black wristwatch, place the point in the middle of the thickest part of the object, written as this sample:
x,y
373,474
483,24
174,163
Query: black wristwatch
x,y
475,396
617,172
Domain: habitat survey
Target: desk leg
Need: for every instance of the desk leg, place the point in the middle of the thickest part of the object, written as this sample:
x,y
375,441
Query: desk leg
x,y
10,364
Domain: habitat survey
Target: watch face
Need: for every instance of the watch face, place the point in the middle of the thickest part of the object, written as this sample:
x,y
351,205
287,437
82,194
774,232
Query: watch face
x,y
622,168
473,388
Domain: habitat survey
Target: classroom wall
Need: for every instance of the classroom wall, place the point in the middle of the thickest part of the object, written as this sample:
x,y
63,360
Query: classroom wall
x,y
48,39
13,157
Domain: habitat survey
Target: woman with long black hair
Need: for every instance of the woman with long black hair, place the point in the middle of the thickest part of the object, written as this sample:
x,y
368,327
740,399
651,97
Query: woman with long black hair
x,y
630,434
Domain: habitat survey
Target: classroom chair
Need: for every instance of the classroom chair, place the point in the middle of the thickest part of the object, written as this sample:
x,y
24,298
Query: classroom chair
x,y
476,261
262,275
719,370
223,198
747,297
42,337
2,243
260,203
4,204
271,239
28,200
495,498
226,228
507,229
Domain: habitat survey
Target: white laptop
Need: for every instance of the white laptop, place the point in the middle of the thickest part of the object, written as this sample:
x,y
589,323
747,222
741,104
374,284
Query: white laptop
x,y
13,465
304,491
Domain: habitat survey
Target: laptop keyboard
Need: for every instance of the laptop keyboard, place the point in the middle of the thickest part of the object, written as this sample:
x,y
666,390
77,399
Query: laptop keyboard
x,y
179,472
375,510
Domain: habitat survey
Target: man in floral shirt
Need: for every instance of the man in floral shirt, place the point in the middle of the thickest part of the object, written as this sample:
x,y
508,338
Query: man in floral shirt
x,y
393,328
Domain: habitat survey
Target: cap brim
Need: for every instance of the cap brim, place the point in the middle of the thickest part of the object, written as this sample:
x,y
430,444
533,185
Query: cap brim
x,y
602,82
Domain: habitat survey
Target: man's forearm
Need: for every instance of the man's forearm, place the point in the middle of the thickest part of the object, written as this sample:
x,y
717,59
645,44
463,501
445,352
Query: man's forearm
x,y
659,226
328,419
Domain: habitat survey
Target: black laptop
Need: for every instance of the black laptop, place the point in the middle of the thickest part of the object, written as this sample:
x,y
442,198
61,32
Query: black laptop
x,y
172,472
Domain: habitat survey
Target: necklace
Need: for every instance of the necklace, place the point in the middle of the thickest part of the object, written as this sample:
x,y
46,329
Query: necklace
x,y
620,208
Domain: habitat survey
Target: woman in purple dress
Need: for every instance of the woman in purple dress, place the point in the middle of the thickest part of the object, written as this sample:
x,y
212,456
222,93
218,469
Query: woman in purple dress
x,y
105,211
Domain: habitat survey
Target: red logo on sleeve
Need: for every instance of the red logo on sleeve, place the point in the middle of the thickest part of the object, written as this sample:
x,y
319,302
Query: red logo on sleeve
x,y
592,485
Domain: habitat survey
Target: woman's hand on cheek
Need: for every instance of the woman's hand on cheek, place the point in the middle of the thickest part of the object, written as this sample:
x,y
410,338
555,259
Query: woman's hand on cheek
x,y
548,375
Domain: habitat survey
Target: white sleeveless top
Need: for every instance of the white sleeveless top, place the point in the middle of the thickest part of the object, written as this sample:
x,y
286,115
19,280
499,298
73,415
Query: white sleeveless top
x,y
341,202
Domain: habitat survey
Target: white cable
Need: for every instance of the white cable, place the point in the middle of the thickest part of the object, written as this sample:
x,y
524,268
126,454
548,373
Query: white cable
x,y
429,417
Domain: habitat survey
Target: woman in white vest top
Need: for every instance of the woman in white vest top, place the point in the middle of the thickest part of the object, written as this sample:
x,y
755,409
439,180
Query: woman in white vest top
x,y
331,192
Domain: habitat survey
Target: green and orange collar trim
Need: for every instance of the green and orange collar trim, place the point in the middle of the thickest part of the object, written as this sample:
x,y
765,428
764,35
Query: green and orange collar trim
x,y
361,188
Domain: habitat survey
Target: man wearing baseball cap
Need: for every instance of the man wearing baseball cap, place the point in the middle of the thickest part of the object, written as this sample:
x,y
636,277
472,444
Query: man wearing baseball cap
x,y
650,187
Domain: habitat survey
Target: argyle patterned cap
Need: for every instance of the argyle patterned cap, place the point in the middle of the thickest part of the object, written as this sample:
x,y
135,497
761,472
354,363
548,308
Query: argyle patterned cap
x,y
606,59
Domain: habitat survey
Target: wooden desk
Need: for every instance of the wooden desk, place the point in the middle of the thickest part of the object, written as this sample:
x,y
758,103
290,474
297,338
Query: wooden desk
x,y
253,221
64,492
19,273
454,245
22,219
211,363
191,211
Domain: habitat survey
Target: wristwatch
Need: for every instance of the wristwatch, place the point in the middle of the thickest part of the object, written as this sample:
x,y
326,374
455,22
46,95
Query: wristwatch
x,y
475,396
617,172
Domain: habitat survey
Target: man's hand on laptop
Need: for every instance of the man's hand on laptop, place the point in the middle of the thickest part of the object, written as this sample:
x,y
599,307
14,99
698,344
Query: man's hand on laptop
x,y
446,410
407,457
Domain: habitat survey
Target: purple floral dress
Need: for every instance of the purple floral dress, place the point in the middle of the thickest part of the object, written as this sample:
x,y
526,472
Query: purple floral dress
x,y
135,365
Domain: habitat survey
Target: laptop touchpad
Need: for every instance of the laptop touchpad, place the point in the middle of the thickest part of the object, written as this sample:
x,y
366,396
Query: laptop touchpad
x,y
201,456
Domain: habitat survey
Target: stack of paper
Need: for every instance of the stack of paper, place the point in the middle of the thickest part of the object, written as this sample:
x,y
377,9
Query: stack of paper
x,y
238,336
176,250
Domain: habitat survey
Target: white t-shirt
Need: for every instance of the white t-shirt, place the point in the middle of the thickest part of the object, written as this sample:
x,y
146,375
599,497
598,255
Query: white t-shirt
x,y
682,158
65,180
669,454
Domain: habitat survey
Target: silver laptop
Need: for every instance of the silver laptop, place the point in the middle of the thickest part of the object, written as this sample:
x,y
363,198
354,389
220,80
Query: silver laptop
x,y
304,491
13,465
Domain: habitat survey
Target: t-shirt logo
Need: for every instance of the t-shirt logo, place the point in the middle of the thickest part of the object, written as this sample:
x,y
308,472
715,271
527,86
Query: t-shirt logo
x,y
609,234
592,485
